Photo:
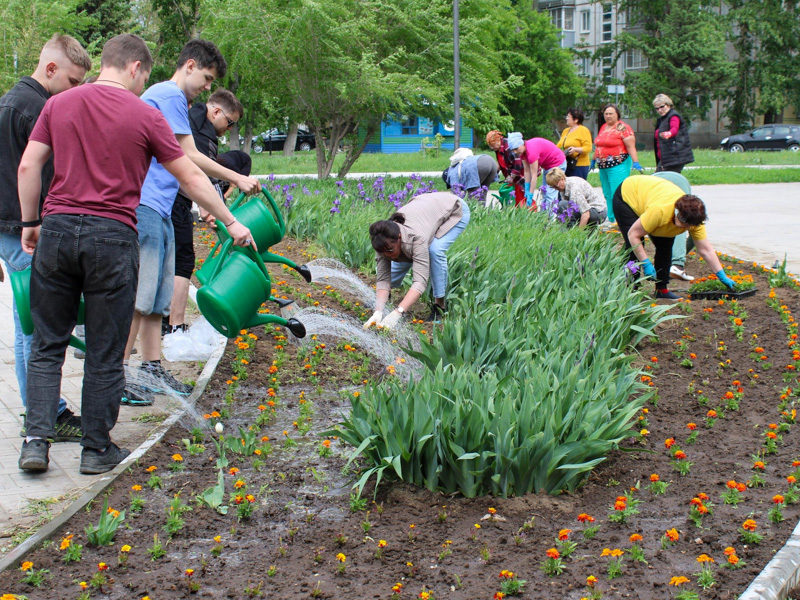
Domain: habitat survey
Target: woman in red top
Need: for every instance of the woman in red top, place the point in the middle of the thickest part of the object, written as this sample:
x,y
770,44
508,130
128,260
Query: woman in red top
x,y
614,154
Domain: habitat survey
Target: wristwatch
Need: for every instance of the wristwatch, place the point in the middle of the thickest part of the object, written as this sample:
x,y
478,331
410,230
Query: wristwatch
x,y
401,310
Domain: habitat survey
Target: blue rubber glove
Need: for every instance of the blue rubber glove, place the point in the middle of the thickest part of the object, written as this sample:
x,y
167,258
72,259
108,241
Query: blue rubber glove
x,y
725,279
528,194
592,164
527,188
637,166
648,269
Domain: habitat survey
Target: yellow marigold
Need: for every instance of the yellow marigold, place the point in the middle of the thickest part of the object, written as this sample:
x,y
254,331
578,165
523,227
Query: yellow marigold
x,y
382,543
26,566
239,484
218,538
591,580
151,468
635,538
749,525
676,581
136,488
341,557
125,548
704,558
177,458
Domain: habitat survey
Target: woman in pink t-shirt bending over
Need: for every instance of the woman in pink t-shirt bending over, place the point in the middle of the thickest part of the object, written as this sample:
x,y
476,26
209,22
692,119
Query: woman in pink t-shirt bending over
x,y
538,154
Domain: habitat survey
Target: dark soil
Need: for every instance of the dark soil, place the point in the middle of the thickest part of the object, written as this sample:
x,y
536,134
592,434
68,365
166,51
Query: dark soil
x,y
304,515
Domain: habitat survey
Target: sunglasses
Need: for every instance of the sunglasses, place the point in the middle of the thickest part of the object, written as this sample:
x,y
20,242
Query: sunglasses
x,y
660,107
231,122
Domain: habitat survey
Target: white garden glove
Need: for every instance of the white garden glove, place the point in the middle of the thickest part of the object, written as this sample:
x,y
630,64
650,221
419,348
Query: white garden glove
x,y
375,319
391,320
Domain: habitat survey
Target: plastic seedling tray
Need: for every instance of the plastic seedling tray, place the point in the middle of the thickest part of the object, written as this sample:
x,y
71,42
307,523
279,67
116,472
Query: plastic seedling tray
x,y
718,294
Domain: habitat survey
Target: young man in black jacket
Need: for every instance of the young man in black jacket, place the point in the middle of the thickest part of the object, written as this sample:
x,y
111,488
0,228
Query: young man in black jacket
x,y
63,64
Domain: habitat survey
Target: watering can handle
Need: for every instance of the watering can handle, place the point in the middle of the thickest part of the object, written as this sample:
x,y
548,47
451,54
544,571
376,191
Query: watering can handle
x,y
276,210
224,249
248,250
237,202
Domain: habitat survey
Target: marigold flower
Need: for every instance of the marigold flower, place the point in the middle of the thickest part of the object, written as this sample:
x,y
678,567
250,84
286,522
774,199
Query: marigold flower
x,y
616,553
620,505
606,552
712,414
731,484
771,435
653,359
233,471
326,443
733,559
250,498
492,510
125,548
729,550
177,457
102,566
679,455
758,465
669,442
584,518
749,525
777,499
341,557
66,542
791,479
728,395
382,543
644,432
552,553
635,538
188,572
506,574
672,535
239,484
397,587
704,558
498,596
151,468
591,580
564,534
477,526
676,581
740,487
654,477
136,488
26,566
691,426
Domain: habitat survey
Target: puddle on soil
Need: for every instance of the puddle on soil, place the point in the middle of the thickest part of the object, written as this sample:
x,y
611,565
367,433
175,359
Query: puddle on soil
x,y
325,323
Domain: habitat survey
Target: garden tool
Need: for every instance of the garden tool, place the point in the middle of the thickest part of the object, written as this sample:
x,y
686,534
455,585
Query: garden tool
x,y
235,288
267,229
21,288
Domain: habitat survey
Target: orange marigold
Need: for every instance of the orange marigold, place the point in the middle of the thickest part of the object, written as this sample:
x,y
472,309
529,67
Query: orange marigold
x,y
552,553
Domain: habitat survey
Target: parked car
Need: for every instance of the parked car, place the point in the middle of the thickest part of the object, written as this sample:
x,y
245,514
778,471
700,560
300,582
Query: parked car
x,y
275,138
768,137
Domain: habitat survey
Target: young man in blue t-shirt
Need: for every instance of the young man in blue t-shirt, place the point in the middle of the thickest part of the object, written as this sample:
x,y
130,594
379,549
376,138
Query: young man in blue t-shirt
x,y
199,64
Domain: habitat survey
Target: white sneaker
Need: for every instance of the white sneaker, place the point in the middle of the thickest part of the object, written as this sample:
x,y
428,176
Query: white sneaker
x,y
675,272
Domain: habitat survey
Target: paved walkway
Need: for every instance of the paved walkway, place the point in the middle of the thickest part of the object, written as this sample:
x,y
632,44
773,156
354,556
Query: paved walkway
x,y
754,222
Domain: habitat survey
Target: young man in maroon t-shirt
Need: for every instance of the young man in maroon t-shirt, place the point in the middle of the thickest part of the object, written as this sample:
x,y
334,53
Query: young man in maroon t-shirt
x,y
102,138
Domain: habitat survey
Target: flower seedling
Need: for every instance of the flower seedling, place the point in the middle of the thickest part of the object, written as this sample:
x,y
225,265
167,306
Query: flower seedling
x,y
636,551
657,487
510,584
705,578
553,565
683,594
748,532
776,512
670,537
589,532
564,544
342,563
615,564
733,495
732,561
33,577
72,551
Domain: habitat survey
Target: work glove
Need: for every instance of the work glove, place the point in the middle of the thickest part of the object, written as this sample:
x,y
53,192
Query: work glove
x,y
725,279
637,166
391,320
592,164
528,194
648,269
375,319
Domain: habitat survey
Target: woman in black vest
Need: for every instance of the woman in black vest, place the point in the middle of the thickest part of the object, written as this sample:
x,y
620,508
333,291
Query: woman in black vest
x,y
673,147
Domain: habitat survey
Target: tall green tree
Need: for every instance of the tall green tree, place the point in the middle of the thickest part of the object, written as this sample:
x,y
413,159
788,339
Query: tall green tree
x,y
108,18
350,63
684,42
531,49
766,37
25,26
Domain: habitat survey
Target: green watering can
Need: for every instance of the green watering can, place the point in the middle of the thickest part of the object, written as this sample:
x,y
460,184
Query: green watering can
x,y
21,288
506,194
267,227
235,288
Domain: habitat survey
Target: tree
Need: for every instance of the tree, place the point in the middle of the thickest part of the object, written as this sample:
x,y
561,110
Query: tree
x,y
25,26
350,63
108,19
551,85
684,42
766,37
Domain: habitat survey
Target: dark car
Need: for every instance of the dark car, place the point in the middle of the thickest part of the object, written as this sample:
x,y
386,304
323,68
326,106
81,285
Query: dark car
x,y
274,139
767,137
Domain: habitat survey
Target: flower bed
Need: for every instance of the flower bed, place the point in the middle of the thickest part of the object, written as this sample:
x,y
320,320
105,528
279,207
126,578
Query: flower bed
x,y
715,447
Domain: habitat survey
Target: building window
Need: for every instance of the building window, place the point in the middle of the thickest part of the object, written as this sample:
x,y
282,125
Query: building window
x,y
586,21
409,126
569,19
635,59
563,18
586,67
608,23
606,68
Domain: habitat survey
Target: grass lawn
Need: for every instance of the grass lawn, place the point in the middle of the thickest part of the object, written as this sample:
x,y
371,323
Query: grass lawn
x,y
725,165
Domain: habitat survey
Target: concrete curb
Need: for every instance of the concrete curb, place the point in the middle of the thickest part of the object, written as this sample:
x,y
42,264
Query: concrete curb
x,y
18,553
780,575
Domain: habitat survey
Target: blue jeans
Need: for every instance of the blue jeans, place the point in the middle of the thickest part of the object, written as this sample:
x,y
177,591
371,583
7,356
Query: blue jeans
x,y
438,257
99,258
156,262
17,260
550,196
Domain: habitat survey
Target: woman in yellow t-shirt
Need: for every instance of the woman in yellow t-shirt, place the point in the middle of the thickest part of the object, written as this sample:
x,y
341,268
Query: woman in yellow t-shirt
x,y
576,142
648,205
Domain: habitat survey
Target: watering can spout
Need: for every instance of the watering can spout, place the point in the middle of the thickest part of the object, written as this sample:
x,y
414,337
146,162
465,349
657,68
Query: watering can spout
x,y
296,327
305,272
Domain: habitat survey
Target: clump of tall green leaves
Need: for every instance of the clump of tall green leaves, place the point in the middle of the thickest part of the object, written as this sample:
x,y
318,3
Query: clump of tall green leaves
x,y
528,385
103,534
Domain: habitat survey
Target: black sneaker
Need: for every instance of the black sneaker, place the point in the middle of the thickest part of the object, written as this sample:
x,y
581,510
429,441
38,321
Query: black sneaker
x,y
136,395
182,327
68,427
34,455
94,462
667,295
155,369
165,326
437,313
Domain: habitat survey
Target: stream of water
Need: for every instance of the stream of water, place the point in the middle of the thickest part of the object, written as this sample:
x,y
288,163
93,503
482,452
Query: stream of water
x,y
332,272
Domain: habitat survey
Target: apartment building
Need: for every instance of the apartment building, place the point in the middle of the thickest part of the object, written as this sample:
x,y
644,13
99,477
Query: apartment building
x,y
588,25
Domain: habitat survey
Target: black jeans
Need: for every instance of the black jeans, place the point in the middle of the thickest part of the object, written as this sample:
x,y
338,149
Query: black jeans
x,y
99,258
663,259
